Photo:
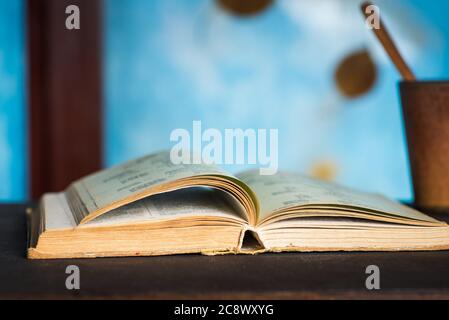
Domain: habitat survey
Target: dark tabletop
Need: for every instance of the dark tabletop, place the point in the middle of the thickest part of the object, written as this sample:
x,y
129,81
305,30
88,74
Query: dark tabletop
x,y
412,275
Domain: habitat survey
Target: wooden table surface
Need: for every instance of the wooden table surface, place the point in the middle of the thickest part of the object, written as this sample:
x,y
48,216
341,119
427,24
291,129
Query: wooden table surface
x,y
414,275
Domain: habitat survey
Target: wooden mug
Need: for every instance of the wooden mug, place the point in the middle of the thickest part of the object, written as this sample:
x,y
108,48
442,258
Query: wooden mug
x,y
425,107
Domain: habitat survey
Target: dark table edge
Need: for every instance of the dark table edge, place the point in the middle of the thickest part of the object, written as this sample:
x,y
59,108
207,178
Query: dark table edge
x,y
291,295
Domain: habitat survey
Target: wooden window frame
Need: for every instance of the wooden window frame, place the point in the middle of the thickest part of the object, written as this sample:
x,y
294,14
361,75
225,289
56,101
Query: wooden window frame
x,y
65,94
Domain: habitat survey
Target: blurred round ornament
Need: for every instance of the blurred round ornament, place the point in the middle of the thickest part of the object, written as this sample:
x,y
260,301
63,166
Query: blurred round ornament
x,y
244,8
356,74
324,170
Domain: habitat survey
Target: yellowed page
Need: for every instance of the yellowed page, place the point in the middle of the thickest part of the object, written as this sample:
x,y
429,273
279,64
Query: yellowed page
x,y
121,182
285,190
197,203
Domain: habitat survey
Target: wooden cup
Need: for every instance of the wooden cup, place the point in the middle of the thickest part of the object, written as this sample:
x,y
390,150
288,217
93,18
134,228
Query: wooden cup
x,y
426,114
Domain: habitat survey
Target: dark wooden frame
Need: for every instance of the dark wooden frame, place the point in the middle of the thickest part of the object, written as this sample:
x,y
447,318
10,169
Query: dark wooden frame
x,y
65,93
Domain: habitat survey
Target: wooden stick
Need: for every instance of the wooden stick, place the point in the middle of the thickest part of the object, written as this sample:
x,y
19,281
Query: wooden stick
x,y
389,46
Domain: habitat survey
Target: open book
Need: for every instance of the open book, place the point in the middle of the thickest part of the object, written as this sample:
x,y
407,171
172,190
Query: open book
x,y
152,207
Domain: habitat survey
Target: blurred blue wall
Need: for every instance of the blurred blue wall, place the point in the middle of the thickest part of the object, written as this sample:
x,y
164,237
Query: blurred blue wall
x,y
171,62
13,155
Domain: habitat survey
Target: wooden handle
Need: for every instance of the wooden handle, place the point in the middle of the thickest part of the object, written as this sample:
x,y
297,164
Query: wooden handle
x,y
389,46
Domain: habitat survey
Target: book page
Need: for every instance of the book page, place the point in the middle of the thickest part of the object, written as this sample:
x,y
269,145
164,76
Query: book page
x,y
118,183
285,190
57,212
195,202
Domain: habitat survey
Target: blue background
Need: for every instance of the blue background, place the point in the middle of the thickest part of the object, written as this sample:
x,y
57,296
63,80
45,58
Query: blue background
x,y
170,62
13,128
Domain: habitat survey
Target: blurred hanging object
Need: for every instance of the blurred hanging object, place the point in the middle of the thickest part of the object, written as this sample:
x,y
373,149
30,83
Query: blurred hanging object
x,y
324,170
244,8
356,74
